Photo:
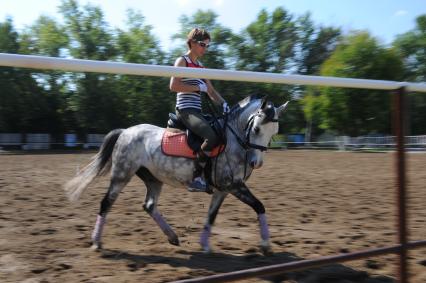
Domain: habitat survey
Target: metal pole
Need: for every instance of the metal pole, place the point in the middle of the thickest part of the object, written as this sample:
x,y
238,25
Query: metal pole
x,y
299,265
399,102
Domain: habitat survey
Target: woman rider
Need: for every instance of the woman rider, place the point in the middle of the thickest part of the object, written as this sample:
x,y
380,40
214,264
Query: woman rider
x,y
188,102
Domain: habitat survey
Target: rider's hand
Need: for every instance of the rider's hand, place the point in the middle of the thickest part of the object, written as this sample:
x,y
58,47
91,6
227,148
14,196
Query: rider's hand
x,y
225,107
203,87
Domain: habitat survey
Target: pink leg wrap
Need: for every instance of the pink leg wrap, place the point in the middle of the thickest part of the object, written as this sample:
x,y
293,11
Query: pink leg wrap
x,y
204,239
264,231
99,226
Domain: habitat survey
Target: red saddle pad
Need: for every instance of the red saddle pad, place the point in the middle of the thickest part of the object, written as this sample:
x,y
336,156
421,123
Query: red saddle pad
x,y
175,144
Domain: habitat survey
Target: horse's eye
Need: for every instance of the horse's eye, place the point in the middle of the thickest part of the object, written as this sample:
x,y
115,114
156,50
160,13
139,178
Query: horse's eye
x,y
256,130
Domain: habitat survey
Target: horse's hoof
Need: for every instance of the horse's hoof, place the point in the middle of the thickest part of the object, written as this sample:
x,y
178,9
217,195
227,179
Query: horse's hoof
x,y
96,246
266,250
174,241
206,250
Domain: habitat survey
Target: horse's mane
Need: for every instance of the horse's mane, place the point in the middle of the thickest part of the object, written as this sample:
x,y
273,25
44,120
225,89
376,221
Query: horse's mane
x,y
241,106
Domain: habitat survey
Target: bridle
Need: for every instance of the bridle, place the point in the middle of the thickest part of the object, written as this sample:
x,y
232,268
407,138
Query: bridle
x,y
246,144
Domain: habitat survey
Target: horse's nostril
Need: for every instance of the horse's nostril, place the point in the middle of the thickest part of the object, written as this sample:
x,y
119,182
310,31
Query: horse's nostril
x,y
252,164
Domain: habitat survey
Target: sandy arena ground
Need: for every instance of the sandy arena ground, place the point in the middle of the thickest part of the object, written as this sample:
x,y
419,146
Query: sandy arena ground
x,y
318,203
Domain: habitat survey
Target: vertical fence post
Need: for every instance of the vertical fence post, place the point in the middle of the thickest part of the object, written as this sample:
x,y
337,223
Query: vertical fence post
x,y
399,120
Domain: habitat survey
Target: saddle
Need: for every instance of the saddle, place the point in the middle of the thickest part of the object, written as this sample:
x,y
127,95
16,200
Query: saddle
x,y
181,142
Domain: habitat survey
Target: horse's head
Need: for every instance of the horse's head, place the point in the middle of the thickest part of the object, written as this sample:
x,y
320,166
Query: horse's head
x,y
261,126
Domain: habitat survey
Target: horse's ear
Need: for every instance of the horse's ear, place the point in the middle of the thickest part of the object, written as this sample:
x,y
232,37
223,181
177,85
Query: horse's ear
x,y
264,102
281,109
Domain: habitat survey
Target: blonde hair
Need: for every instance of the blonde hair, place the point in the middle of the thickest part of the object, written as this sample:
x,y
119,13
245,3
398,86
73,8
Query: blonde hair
x,y
197,34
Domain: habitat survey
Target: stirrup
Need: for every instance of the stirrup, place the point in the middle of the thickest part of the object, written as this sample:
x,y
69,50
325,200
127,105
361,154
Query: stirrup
x,y
197,185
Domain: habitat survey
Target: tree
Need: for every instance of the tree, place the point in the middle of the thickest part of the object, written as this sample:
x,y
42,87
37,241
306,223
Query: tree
x,y
22,104
146,99
47,37
356,111
412,48
94,102
314,45
9,113
268,44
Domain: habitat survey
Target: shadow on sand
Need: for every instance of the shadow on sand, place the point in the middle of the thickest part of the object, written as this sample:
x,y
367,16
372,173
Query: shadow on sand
x,y
203,264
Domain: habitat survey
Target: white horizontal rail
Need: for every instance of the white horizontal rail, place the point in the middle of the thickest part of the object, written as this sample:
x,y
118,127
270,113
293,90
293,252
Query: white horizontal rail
x,y
78,65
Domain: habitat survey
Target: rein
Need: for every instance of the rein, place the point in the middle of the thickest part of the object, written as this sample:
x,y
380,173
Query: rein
x,y
245,144
222,134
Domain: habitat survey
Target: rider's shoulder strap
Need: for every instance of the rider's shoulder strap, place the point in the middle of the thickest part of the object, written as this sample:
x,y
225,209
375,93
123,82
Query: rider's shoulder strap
x,y
186,60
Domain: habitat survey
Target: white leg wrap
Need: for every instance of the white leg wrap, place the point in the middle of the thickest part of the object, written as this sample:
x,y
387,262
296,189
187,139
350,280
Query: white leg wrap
x,y
99,226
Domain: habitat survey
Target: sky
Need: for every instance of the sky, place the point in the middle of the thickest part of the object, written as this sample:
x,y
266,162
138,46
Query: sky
x,y
384,19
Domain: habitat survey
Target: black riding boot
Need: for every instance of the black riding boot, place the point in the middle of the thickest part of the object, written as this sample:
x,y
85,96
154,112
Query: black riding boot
x,y
198,184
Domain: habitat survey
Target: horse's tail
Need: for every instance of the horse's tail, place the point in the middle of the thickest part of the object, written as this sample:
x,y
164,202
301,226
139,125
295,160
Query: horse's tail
x,y
99,165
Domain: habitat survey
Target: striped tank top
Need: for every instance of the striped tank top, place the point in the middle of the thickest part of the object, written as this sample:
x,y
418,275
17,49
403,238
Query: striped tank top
x,y
190,99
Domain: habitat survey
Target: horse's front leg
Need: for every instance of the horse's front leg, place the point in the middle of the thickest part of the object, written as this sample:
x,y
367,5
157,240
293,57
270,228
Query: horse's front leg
x,y
243,194
216,202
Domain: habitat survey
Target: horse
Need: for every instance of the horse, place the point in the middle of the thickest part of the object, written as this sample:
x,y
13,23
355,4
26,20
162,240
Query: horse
x,y
248,129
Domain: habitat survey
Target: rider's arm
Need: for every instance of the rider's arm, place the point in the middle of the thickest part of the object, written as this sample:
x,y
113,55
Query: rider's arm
x,y
213,94
176,84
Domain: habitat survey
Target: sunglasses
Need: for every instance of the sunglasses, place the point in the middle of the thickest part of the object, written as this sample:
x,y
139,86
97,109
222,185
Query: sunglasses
x,y
203,44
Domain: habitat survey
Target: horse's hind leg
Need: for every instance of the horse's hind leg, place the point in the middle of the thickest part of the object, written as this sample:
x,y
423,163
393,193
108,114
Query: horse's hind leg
x,y
154,187
115,187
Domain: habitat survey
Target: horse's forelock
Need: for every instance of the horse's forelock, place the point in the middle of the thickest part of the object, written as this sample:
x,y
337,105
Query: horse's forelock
x,y
269,111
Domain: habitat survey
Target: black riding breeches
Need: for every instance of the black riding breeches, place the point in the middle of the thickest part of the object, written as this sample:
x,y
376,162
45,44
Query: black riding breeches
x,y
195,121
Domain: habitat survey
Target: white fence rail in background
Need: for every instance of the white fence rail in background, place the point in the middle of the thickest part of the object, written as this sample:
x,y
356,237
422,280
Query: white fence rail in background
x,y
78,65
94,140
37,141
45,141
356,143
10,139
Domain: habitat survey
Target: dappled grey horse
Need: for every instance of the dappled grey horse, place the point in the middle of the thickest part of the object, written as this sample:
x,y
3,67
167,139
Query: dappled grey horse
x,y
137,150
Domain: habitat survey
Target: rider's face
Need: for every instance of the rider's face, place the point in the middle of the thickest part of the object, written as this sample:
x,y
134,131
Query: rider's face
x,y
200,47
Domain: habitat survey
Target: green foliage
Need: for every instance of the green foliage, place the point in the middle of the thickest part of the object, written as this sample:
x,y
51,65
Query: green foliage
x,y
412,48
89,33
44,37
315,44
47,37
268,44
356,111
8,37
146,99
23,103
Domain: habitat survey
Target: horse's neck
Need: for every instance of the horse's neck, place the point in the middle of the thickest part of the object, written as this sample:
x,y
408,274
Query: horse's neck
x,y
238,124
